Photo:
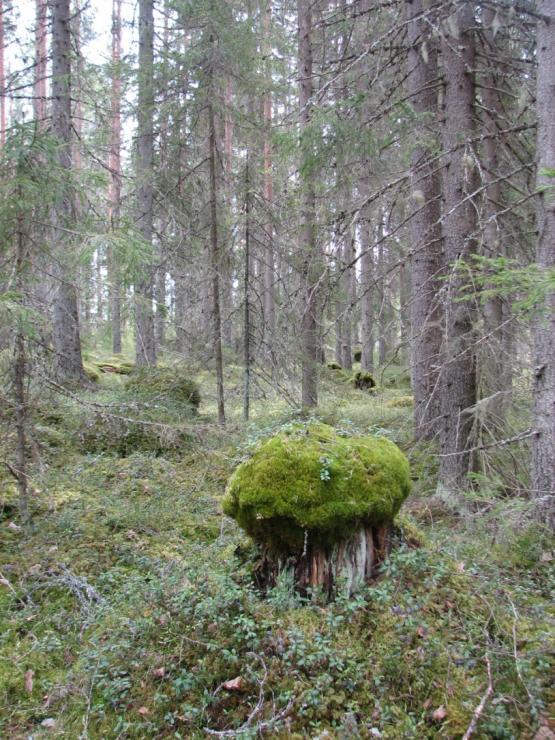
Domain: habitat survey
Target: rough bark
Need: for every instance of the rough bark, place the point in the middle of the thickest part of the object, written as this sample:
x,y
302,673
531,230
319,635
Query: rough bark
x,y
2,79
543,444
145,345
495,368
246,296
115,174
268,194
458,371
66,337
39,91
426,246
344,567
215,260
367,283
308,247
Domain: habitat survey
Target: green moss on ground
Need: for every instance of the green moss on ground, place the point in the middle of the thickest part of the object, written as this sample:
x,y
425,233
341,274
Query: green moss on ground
x,y
400,402
165,382
311,478
178,615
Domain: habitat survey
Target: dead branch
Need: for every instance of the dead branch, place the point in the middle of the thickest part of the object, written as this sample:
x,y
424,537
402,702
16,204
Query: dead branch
x,y
481,706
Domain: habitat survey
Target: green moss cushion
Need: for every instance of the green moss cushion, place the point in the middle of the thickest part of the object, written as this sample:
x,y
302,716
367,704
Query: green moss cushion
x,y
310,478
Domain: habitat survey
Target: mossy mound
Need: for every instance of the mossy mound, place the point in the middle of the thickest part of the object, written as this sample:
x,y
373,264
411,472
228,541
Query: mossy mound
x,y
364,381
91,372
401,402
312,479
334,366
116,365
164,382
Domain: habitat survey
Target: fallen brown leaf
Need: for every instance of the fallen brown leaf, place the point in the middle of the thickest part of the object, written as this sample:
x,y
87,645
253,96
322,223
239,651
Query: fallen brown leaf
x,y
439,714
159,672
234,684
143,711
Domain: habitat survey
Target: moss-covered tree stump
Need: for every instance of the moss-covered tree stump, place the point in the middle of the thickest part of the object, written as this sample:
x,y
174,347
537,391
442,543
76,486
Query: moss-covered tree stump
x,y
320,504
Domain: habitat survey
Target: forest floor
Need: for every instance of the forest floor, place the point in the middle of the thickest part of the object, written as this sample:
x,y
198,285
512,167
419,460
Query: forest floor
x,y
127,607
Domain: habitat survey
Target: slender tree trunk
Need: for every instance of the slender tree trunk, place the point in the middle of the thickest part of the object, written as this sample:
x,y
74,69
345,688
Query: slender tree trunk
x,y
20,365
215,262
114,187
309,249
227,262
458,372
41,58
246,296
426,252
145,345
366,282
67,340
2,78
383,314
161,308
268,193
543,445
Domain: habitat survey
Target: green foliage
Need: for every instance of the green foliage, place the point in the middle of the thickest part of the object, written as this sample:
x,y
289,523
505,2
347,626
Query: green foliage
x,y
311,478
527,287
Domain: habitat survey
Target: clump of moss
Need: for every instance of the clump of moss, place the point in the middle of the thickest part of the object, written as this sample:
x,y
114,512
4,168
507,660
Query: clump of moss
x,y
116,365
310,478
401,402
334,366
91,372
165,382
364,381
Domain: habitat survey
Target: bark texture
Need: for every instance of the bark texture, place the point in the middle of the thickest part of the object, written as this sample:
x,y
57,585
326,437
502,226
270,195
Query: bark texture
x,y
458,372
308,247
426,247
543,446
346,566
66,337
145,344
114,188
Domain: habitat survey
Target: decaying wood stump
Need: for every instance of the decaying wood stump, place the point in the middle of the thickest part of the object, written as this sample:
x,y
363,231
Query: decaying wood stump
x,y
344,566
320,505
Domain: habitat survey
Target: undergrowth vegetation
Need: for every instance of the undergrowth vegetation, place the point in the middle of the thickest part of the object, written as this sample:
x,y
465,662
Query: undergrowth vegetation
x,y
128,610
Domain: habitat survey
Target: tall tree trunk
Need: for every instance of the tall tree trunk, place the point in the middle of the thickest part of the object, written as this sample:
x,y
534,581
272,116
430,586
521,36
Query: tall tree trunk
x,y
268,192
543,444
246,296
495,366
458,372
145,345
308,247
215,261
20,366
426,256
115,174
2,78
367,283
227,262
41,58
67,340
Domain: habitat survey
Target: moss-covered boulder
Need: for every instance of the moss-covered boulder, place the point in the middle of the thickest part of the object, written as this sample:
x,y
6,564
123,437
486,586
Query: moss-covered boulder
x,y
164,383
364,381
325,501
91,372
